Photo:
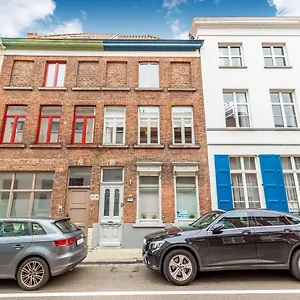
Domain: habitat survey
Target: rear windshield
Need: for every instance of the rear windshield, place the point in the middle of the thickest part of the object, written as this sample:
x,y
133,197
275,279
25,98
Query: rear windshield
x,y
65,226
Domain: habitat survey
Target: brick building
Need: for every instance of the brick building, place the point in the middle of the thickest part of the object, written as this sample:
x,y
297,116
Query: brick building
x,y
110,132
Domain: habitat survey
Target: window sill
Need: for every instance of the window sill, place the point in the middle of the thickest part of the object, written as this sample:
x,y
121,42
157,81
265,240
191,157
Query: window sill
x,y
287,129
12,146
184,146
149,146
74,146
148,89
123,89
18,88
85,89
46,146
182,89
233,67
149,224
52,88
114,146
274,67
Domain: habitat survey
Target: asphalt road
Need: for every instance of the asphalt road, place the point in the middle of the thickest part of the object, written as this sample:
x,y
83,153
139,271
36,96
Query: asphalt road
x,y
130,282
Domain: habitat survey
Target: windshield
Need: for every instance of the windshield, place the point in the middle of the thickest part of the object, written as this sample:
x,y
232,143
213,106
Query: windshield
x,y
206,219
65,226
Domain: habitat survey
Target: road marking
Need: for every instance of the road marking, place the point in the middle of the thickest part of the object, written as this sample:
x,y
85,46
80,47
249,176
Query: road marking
x,y
146,293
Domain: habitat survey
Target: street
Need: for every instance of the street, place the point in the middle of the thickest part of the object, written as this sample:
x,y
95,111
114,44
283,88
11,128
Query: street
x,y
129,282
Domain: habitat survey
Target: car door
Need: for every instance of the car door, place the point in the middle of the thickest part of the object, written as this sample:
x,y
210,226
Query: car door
x,y
15,238
275,235
235,243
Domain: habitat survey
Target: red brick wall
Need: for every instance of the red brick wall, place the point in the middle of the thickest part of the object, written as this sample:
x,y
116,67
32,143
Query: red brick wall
x,y
112,72
22,73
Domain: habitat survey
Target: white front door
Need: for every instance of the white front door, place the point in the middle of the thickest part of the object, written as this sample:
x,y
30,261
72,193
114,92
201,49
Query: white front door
x,y
111,213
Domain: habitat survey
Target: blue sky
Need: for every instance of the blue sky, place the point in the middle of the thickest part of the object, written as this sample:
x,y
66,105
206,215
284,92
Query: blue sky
x,y
164,18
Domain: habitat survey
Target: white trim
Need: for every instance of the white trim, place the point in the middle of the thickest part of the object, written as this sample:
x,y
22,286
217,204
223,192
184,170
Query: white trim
x,y
230,56
273,55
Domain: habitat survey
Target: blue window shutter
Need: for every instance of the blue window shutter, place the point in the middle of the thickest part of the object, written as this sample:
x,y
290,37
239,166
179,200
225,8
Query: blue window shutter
x,y
273,182
223,181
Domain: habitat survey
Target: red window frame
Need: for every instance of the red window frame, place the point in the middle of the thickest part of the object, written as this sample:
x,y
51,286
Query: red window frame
x,y
14,128
50,118
84,125
56,70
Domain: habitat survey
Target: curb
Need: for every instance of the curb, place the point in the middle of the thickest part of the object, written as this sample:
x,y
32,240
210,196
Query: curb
x,y
112,262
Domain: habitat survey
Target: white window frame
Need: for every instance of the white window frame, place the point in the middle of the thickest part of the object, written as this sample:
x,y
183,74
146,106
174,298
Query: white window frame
x,y
294,171
149,80
114,126
274,56
149,118
235,105
182,126
148,169
243,172
282,104
230,56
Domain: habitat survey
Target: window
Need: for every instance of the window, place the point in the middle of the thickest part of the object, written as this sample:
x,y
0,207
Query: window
x,y
37,229
268,218
84,122
183,128
114,125
149,75
14,229
148,125
112,175
55,74
49,124
283,109
230,56
274,56
80,176
25,194
235,219
236,109
14,120
244,182
186,197
291,173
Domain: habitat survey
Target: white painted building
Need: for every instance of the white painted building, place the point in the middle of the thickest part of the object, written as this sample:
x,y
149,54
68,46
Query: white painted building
x,y
251,71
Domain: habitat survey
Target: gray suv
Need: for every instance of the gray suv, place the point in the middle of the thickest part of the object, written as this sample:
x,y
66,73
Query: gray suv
x,y
34,249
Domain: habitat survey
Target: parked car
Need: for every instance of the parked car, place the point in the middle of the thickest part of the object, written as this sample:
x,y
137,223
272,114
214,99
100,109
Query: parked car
x,y
233,240
34,249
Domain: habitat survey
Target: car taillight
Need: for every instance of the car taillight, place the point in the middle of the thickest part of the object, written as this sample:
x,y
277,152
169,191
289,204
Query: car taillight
x,y
65,242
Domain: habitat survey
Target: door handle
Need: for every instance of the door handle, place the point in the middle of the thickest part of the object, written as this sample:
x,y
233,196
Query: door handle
x,y
287,230
18,247
246,231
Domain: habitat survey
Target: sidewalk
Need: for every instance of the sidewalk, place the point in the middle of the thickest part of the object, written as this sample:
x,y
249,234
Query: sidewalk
x,y
113,256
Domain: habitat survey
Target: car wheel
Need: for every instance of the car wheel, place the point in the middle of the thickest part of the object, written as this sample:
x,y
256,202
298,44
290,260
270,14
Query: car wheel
x,y
180,267
33,274
295,264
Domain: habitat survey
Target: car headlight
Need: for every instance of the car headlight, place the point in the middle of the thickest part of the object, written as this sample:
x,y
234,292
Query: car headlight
x,y
156,245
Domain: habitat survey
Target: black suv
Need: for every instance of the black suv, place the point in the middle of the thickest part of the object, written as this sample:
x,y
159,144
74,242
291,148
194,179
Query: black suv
x,y
219,240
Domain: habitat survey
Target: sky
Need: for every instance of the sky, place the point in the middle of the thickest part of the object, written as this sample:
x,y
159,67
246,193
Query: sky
x,y
163,18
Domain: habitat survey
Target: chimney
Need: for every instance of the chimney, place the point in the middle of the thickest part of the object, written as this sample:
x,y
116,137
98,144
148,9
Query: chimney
x,y
31,35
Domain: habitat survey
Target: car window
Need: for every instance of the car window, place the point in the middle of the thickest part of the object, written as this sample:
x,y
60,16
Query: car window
x,y
13,229
65,226
235,219
37,229
293,220
264,218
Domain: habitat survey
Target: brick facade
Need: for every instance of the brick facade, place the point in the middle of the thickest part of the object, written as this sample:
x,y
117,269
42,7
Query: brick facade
x,y
113,72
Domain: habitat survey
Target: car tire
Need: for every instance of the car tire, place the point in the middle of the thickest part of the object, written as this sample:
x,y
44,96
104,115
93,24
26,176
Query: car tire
x,y
295,264
180,267
33,273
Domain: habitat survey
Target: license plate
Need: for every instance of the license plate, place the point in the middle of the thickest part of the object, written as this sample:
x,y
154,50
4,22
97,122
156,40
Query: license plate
x,y
80,241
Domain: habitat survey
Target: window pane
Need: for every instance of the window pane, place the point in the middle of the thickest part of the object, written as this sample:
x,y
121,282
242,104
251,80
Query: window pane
x,y
235,163
120,132
115,111
37,229
289,110
278,51
236,61
143,131
54,130
85,111
241,97
23,181
186,203
117,203
148,111
8,130
148,180
109,129
16,110
276,110
90,130
267,51
228,97
154,75
235,51
278,122
182,111
287,98
20,205
154,133
297,162
61,75
185,180
80,176
41,204
268,62
50,75
223,51
51,110
149,203
19,130
188,131
43,130
236,219
177,132
5,181
236,180
112,175
78,130
14,229
275,97
44,181
106,203
266,219
291,122
249,163
280,61
224,61
4,197
243,116
286,163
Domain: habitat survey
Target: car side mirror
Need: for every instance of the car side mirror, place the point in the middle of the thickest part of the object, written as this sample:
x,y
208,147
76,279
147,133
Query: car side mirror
x,y
217,228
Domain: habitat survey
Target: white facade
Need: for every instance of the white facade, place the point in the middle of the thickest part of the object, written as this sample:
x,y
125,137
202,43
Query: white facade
x,y
253,78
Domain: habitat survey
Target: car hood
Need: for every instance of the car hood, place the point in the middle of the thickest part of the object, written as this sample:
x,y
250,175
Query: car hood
x,y
169,231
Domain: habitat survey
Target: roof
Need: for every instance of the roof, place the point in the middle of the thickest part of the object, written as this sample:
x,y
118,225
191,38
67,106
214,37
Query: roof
x,y
94,36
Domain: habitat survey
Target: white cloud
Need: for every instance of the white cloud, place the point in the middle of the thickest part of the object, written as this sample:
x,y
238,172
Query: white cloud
x,y
286,7
170,4
19,16
178,30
